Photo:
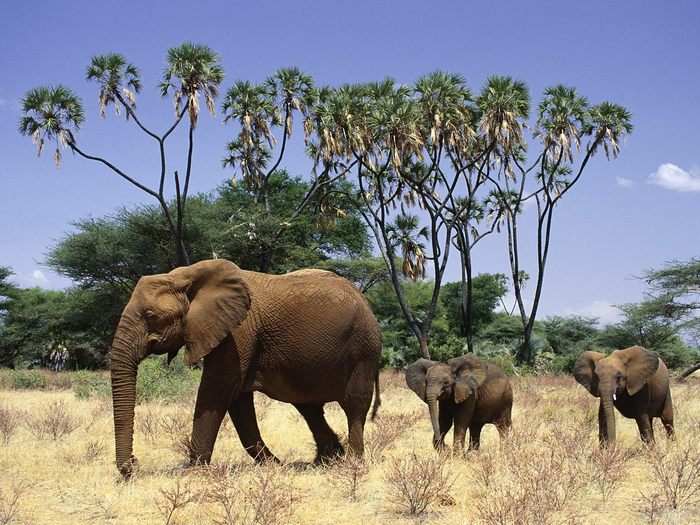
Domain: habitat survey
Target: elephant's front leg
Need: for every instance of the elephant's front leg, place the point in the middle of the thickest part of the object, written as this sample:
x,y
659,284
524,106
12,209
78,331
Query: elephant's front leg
x,y
646,430
242,412
462,415
445,418
221,380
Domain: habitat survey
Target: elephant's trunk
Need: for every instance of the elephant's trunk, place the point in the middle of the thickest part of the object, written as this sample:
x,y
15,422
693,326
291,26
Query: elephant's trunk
x,y
606,398
124,363
433,407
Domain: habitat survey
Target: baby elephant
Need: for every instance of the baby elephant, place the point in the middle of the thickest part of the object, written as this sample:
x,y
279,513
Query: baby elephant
x,y
633,380
466,390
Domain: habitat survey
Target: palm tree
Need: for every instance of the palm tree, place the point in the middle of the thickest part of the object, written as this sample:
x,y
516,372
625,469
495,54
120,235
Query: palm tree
x,y
405,235
51,114
117,79
610,124
56,113
561,119
193,70
258,109
504,103
445,102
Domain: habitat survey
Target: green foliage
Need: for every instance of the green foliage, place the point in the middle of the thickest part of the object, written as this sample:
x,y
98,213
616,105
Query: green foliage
x,y
87,384
487,291
675,296
25,380
570,335
251,234
676,354
157,380
31,324
7,289
451,346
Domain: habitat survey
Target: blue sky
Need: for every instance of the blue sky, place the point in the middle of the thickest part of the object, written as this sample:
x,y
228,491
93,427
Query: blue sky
x,y
625,216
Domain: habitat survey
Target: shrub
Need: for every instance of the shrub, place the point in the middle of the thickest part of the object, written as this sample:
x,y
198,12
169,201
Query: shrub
x,y
175,498
156,380
54,420
347,473
452,347
386,429
415,482
676,472
87,384
9,502
8,422
27,380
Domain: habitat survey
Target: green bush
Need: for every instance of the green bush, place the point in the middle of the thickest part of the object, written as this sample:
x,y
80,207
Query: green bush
x,y
551,363
87,384
677,355
157,380
27,380
453,346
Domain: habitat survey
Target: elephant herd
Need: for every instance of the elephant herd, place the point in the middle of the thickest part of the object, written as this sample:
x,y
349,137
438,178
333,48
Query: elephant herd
x,y
309,338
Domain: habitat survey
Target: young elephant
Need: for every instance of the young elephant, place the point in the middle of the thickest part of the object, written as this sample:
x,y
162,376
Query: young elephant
x,y
466,390
633,380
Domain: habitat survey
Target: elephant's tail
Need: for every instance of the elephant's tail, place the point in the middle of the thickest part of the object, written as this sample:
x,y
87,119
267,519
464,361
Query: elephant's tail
x,y
377,399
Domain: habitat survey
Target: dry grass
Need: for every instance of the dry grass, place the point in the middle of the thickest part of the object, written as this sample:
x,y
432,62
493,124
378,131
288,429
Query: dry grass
x,y
548,470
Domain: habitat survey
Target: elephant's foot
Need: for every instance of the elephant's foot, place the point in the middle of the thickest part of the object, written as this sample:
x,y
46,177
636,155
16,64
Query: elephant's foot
x,y
329,452
261,454
128,468
197,457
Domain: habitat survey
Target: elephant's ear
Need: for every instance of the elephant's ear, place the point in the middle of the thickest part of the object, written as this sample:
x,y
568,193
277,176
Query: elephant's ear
x,y
470,373
218,302
584,371
415,376
641,366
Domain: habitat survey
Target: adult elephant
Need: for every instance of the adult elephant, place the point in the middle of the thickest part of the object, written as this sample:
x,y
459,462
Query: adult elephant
x,y
634,381
307,337
467,391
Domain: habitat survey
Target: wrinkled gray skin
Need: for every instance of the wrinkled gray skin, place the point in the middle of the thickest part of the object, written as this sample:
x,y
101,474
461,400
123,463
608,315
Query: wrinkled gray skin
x,y
634,381
467,391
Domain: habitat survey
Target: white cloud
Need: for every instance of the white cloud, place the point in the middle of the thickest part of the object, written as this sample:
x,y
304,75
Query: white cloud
x,y
674,178
604,311
39,277
31,279
623,182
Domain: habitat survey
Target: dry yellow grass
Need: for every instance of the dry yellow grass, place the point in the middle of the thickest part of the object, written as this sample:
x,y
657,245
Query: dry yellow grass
x,y
547,471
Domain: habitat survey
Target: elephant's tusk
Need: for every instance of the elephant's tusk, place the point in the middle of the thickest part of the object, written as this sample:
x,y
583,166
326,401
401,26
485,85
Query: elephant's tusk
x,y
615,396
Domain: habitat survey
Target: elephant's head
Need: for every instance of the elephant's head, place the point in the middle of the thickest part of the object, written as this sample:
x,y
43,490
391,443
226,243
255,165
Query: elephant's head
x,y
609,376
433,381
194,306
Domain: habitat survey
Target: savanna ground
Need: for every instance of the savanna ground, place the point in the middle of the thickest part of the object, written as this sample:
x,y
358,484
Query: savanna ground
x,y
57,465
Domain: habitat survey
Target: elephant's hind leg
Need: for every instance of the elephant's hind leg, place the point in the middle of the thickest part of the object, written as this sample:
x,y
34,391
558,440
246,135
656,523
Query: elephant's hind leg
x,y
328,446
242,412
356,403
667,415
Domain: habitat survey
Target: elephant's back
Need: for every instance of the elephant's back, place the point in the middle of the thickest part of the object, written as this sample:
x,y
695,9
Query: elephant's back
x,y
309,326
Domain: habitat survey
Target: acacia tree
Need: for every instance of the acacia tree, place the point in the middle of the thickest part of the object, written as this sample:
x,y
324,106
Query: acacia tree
x,y
55,114
564,118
